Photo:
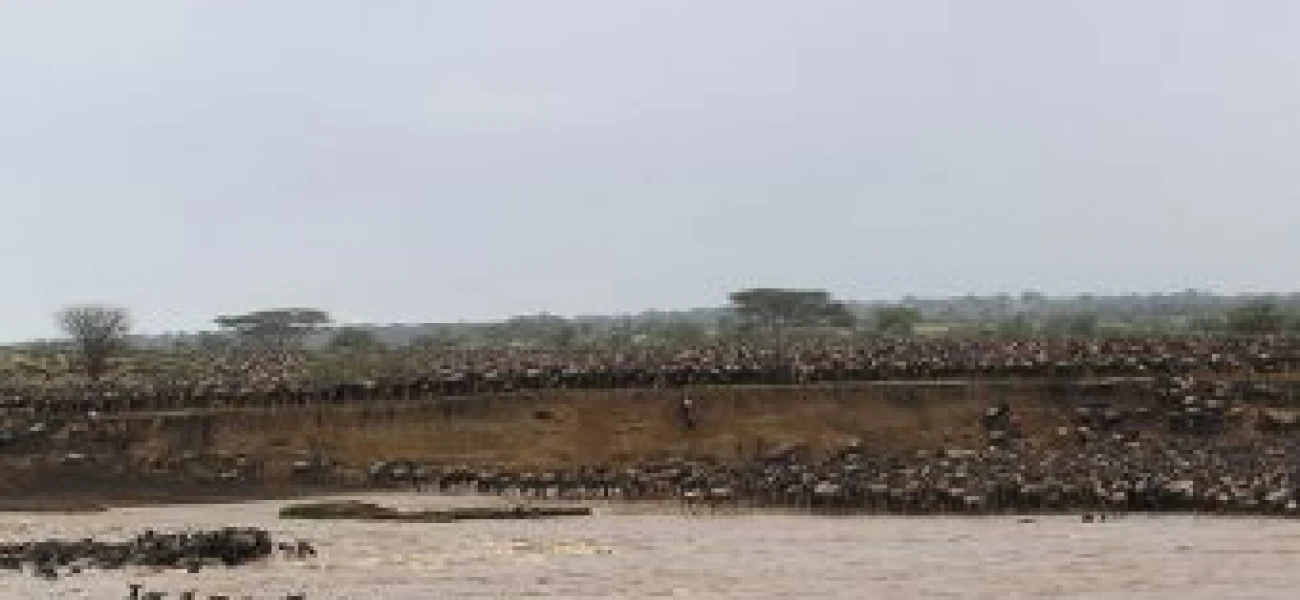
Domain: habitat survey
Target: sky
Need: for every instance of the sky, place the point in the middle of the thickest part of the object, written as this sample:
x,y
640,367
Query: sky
x,y
423,160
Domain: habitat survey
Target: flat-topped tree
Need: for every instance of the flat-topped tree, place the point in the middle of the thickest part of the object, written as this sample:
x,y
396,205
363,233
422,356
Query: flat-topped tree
x,y
98,332
276,328
776,308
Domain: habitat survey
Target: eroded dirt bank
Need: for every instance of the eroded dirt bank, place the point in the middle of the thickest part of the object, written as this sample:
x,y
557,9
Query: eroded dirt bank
x,y
289,450
568,428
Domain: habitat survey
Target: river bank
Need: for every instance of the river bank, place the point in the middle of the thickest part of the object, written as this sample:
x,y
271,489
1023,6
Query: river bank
x,y
898,448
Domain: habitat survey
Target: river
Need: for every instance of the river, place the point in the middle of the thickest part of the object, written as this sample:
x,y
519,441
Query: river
x,y
641,552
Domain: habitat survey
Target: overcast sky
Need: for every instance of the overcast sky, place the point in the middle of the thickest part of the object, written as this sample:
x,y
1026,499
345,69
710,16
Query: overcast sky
x,y
433,161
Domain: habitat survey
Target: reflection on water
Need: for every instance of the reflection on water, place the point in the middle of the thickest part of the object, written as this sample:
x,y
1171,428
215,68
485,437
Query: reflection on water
x,y
635,553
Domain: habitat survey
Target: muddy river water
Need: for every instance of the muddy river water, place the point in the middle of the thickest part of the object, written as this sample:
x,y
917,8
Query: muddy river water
x,y
640,552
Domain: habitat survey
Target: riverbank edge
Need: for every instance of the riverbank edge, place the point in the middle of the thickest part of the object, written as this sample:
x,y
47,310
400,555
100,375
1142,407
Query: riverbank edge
x,y
98,503
93,502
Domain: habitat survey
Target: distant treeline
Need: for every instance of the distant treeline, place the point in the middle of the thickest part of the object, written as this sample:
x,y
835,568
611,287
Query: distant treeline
x,y
99,342
1024,314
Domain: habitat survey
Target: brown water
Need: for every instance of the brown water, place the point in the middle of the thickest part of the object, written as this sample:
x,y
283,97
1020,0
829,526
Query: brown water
x,y
635,552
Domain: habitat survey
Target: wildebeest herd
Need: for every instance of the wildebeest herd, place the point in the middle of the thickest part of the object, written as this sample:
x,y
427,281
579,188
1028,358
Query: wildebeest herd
x,y
208,380
1108,475
1191,449
189,550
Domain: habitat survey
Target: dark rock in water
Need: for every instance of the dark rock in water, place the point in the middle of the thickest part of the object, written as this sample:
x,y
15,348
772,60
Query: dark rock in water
x,y
371,512
334,510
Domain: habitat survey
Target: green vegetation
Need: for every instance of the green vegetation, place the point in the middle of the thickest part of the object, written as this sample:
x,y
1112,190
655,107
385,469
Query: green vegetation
x,y
355,339
277,328
98,332
775,309
1257,318
97,343
896,320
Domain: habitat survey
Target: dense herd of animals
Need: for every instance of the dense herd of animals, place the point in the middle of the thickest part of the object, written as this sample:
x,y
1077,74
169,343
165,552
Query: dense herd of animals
x,y
1189,444
1106,476
188,550
208,380
1202,445
1186,439
191,551
1194,447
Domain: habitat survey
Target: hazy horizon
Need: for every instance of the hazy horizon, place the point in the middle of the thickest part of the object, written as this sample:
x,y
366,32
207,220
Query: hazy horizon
x,y
428,161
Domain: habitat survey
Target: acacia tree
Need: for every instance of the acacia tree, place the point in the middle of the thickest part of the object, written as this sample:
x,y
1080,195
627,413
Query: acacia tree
x,y
275,329
774,308
98,331
777,310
